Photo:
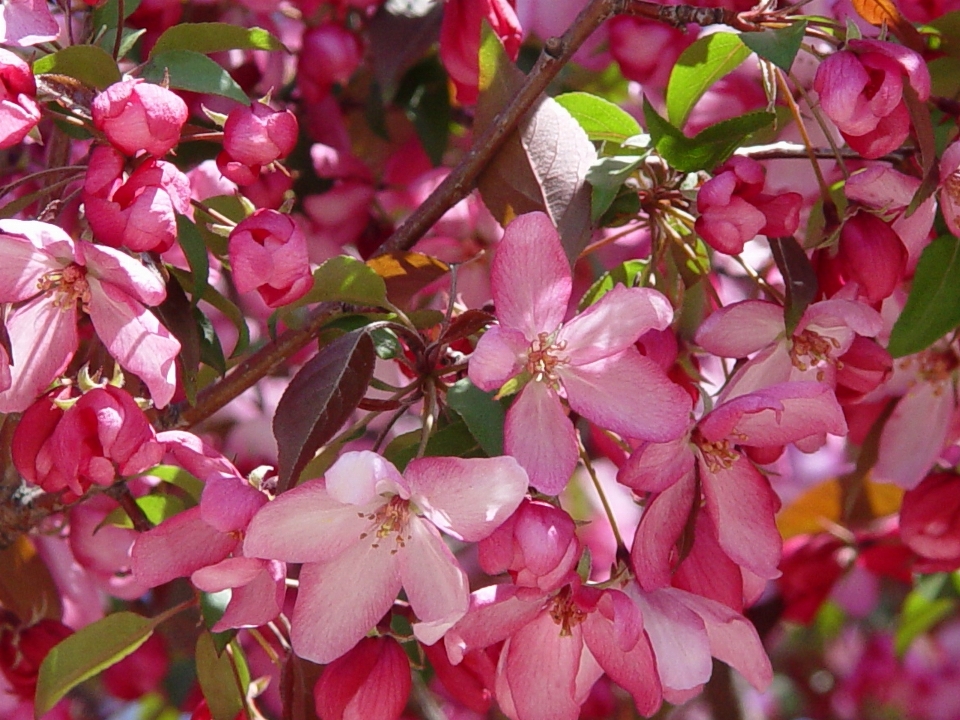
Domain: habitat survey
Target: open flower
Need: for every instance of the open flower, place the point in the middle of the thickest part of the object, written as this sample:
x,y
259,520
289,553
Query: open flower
x,y
591,361
366,531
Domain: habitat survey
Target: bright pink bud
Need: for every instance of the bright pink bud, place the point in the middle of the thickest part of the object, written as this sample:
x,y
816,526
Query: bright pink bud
x,y
930,517
139,213
871,254
19,113
370,682
861,369
330,55
268,253
23,648
861,90
255,136
537,544
471,681
733,209
100,438
460,40
140,672
136,115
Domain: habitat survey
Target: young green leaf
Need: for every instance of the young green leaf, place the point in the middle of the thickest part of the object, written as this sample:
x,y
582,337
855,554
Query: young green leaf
x,y
89,64
707,60
625,274
189,70
217,680
345,279
195,250
214,37
483,415
778,46
600,119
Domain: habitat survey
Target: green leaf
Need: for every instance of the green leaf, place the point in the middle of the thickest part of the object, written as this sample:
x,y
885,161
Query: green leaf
x,y
106,14
778,46
425,97
88,652
215,673
483,415
709,147
453,440
345,279
212,296
933,306
606,176
90,64
179,477
128,39
625,274
799,279
214,37
195,72
157,508
922,609
599,118
707,60
195,250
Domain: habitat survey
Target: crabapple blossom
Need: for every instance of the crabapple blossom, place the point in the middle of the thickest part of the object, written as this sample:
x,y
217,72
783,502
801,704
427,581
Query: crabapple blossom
x,y
590,361
369,528
139,213
27,22
19,113
255,136
928,518
330,55
733,208
268,253
371,681
861,90
136,115
950,187
23,646
49,276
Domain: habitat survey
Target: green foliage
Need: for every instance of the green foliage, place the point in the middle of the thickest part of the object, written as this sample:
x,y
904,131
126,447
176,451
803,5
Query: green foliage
x,y
627,274
484,416
219,679
193,71
707,60
211,37
923,608
600,119
778,46
345,279
90,64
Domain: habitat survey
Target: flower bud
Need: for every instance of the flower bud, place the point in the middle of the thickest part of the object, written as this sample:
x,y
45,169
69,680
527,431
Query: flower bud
x,y
23,648
371,682
930,517
268,253
329,56
871,254
136,115
19,113
139,213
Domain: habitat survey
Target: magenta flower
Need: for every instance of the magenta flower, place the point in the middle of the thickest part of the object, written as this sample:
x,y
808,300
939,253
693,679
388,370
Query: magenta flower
x,y
590,361
19,112
366,531
50,275
268,253
372,681
136,115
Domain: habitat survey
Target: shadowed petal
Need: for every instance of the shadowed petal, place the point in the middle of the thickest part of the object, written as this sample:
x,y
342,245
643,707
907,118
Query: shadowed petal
x,y
499,356
541,437
178,547
742,328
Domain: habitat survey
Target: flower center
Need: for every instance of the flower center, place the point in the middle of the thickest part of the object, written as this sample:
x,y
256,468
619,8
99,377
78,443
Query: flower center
x,y
936,366
808,349
67,286
391,518
718,454
543,359
565,612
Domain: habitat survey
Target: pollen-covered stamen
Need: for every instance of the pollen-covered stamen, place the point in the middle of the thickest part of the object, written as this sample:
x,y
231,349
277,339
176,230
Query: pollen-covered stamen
x,y
717,454
808,349
391,518
67,286
936,366
542,358
565,612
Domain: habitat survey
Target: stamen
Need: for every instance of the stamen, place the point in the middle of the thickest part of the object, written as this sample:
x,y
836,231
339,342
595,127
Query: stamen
x,y
67,286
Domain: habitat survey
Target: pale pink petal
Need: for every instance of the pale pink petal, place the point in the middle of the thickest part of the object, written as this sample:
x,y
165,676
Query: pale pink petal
x,y
135,338
468,499
43,339
679,640
116,268
653,467
530,276
306,525
629,394
228,573
839,319
741,329
733,638
708,572
613,324
539,667
541,437
435,585
742,506
22,267
915,434
663,521
178,547
496,612
26,22
499,356
340,601
360,478
258,602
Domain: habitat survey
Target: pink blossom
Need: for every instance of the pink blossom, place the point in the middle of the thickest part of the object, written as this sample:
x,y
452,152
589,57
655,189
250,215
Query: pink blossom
x,y
929,517
737,501
49,275
19,112
27,22
139,213
258,135
360,528
733,209
23,646
329,56
371,681
268,253
460,40
100,438
136,115
950,187
590,361
861,90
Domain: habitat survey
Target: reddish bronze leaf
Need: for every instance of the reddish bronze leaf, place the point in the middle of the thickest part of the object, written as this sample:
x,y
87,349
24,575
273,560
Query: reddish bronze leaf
x,y
878,12
319,400
406,274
